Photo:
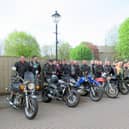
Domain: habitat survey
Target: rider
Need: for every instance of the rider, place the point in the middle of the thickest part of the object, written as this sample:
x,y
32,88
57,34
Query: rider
x,y
22,66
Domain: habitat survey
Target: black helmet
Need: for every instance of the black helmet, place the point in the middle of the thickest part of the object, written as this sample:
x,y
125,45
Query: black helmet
x,y
54,79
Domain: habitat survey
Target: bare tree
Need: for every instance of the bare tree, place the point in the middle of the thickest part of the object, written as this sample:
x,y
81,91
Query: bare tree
x,y
48,51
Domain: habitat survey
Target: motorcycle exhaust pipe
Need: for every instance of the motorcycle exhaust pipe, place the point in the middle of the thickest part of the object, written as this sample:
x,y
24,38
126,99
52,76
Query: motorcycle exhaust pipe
x,y
34,96
11,103
49,95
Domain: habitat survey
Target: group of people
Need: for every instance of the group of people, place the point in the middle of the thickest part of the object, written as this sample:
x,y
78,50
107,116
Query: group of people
x,y
75,68
23,66
71,68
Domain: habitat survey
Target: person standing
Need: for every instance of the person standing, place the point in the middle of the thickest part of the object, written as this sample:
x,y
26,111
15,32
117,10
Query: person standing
x,y
108,68
35,65
99,69
92,67
125,71
85,69
65,68
119,70
47,70
58,69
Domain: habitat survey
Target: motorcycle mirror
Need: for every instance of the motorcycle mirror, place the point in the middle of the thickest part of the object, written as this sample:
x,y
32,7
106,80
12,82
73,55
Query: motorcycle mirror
x,y
104,74
14,68
37,71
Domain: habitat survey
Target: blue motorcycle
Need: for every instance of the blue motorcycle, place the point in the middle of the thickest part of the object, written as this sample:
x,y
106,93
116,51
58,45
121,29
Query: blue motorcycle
x,y
87,85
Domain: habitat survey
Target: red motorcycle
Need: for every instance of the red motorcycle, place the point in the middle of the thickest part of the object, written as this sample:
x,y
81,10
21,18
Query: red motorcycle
x,y
109,85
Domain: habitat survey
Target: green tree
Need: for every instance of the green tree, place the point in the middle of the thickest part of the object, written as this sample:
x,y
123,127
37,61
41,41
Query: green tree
x,y
81,52
122,47
21,43
64,51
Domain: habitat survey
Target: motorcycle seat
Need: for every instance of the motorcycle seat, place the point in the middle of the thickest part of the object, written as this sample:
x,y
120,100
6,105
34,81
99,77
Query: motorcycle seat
x,y
100,79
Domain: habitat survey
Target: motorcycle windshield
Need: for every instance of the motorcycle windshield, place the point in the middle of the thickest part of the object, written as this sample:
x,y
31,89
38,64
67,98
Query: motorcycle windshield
x,y
29,76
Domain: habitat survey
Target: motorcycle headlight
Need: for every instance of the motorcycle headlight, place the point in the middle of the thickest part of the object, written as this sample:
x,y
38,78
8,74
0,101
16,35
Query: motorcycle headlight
x,y
31,86
72,81
108,78
21,87
38,87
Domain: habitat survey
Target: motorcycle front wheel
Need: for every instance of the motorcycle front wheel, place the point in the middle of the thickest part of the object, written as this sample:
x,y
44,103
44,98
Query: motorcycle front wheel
x,y
32,110
72,98
127,83
96,94
112,92
45,97
123,88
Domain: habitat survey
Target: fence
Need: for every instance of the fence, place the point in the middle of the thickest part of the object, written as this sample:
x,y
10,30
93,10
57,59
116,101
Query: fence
x,y
5,70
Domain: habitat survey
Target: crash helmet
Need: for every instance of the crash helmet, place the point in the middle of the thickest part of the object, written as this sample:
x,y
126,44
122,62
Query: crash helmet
x,y
54,79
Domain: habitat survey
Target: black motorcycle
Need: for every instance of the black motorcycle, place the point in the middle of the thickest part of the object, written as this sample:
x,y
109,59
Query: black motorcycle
x,y
126,81
22,94
122,85
60,90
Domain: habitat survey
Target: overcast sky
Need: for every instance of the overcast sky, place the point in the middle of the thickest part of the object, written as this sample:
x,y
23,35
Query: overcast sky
x,y
82,20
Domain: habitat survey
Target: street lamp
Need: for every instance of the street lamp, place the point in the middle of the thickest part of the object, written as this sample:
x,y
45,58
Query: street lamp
x,y
56,18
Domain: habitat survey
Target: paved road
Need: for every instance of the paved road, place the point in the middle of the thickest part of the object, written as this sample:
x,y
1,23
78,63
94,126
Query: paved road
x,y
106,114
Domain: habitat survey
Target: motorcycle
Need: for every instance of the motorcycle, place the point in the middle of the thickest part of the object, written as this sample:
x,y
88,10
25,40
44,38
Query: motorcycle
x,y
60,90
126,80
87,85
109,85
122,85
21,94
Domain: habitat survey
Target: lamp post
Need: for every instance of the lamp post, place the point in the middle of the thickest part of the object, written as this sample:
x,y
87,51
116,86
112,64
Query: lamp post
x,y
56,18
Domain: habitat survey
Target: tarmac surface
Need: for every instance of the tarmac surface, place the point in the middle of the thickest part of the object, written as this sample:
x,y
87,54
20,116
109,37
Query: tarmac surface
x,y
105,114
